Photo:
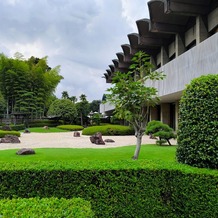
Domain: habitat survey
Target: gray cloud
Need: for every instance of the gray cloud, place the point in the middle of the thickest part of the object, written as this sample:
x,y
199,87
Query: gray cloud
x,y
81,36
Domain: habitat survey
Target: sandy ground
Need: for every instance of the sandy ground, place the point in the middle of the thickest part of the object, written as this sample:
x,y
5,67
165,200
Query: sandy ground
x,y
67,140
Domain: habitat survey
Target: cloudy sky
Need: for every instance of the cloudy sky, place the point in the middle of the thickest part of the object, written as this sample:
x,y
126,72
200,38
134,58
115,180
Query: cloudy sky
x,y
80,36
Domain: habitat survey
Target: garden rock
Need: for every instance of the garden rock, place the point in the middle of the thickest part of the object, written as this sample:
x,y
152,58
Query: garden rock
x,y
109,140
97,139
26,131
25,151
45,127
76,134
10,139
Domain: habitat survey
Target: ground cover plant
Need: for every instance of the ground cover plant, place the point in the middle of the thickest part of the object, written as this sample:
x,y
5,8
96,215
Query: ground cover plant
x,y
109,129
149,152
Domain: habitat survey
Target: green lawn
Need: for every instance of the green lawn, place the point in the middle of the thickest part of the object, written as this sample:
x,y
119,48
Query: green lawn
x,y
148,152
42,130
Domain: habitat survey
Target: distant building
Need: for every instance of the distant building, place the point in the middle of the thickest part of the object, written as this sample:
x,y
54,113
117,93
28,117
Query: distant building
x,y
181,37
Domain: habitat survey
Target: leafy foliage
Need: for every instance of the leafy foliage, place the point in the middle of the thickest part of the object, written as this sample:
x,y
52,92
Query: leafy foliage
x,y
65,109
198,123
161,130
45,207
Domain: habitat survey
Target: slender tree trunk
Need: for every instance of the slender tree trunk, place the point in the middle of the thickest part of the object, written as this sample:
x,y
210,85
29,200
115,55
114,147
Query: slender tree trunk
x,y
138,145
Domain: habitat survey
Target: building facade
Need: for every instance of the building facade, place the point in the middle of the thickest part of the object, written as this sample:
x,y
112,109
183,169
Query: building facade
x,y
181,38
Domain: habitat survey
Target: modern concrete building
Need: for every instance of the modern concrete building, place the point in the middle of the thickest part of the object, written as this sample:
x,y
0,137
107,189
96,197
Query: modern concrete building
x,y
181,38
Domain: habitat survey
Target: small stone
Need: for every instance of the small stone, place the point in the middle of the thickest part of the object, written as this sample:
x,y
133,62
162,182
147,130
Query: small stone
x,y
25,151
109,140
26,131
76,134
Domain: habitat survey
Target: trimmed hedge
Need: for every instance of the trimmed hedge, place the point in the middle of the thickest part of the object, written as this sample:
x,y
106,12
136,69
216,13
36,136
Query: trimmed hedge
x,y
109,130
4,133
198,123
140,190
17,127
41,123
71,127
45,207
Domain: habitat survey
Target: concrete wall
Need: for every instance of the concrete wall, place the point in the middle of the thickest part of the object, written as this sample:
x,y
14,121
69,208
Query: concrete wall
x,y
200,60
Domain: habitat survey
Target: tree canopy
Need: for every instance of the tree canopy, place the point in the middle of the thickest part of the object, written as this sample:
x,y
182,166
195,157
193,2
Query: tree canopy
x,y
63,109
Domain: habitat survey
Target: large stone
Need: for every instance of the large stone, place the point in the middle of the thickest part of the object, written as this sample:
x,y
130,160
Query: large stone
x,y
10,139
25,151
97,139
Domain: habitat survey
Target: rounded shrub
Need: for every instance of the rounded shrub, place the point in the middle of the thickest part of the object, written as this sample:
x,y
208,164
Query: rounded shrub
x,y
45,207
71,127
109,130
198,123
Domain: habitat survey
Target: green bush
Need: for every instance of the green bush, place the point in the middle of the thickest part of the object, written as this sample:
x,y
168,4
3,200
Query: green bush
x,y
17,127
109,130
161,130
142,189
41,123
4,133
45,207
71,127
198,123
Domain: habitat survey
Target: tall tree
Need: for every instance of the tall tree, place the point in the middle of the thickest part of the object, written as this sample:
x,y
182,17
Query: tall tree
x,y
83,108
65,95
94,105
26,85
132,99
64,109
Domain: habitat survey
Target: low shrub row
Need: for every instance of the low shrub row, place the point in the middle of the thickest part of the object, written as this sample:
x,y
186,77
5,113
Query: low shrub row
x,y
109,130
16,127
140,191
41,123
71,127
45,207
4,133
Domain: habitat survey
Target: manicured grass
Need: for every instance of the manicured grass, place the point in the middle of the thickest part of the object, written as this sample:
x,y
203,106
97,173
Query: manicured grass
x,y
42,130
148,152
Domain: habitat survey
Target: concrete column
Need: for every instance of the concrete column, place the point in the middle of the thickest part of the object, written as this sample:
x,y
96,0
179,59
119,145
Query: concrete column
x,y
201,30
164,56
180,46
165,113
153,113
176,115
